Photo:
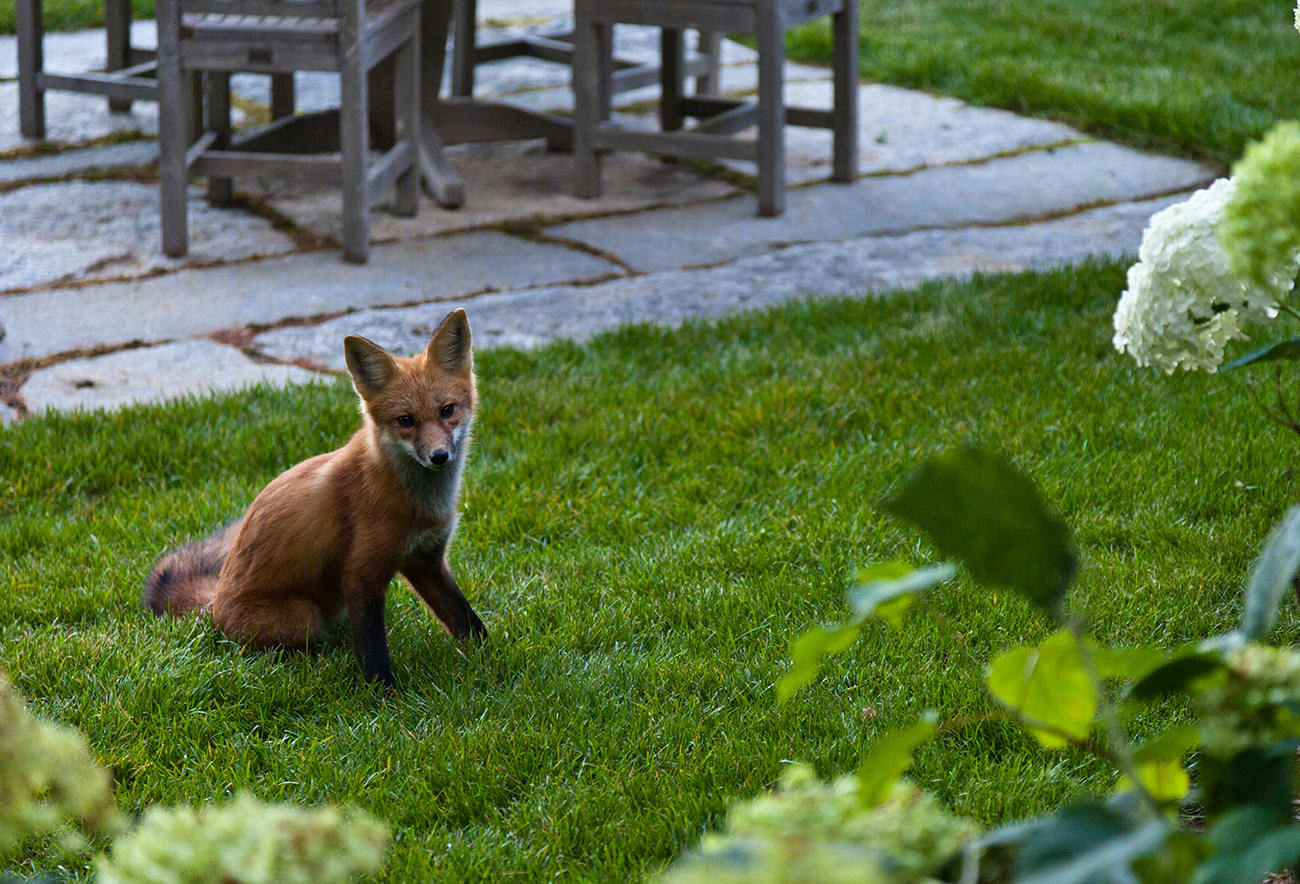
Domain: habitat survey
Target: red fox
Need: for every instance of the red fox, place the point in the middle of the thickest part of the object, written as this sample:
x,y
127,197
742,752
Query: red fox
x,y
329,534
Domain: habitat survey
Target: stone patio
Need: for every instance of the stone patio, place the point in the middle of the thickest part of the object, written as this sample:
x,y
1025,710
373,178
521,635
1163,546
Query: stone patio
x,y
947,189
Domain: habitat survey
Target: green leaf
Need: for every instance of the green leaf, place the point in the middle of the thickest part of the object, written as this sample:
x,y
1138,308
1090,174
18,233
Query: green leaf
x,y
1272,576
807,651
1288,349
1165,780
1047,685
975,506
889,759
888,589
1177,675
1250,846
1084,843
1173,744
1126,663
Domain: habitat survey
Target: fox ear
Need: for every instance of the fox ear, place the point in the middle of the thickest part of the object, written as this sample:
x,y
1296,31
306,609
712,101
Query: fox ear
x,y
449,348
370,365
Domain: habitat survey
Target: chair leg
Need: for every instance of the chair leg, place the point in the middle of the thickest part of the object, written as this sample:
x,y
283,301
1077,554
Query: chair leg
x,y
771,110
354,138
462,47
406,101
173,135
117,27
844,115
31,61
282,96
588,72
672,64
710,46
220,190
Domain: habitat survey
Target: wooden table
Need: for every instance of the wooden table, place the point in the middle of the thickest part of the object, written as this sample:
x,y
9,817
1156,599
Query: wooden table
x,y
461,118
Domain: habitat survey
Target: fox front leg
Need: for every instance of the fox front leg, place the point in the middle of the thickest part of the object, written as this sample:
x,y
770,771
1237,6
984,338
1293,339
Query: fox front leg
x,y
369,636
430,576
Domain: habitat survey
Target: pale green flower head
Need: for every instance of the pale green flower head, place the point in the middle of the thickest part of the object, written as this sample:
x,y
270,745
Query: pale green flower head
x,y
1260,230
249,842
1183,303
48,778
1250,706
814,831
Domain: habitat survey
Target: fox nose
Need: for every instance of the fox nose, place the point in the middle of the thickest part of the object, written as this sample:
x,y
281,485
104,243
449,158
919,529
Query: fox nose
x,y
439,457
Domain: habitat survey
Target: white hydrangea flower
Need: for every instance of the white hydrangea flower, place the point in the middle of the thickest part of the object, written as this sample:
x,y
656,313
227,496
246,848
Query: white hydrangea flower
x,y
1183,304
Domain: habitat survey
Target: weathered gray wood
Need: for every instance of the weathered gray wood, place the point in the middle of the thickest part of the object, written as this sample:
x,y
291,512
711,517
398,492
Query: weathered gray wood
x,y
173,140
31,60
383,174
587,76
121,89
738,118
685,143
220,189
719,118
466,120
463,48
771,137
124,82
311,169
708,78
264,8
117,31
844,116
333,35
353,137
672,78
442,182
406,113
282,95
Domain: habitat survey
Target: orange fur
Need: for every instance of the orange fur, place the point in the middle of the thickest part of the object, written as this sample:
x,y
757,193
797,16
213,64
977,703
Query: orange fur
x,y
330,533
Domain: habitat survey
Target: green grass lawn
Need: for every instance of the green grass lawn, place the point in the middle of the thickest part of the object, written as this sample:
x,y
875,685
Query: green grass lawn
x,y
1200,77
649,518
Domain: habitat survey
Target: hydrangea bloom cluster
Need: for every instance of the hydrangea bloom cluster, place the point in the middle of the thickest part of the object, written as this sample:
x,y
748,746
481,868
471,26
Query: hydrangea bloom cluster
x,y
1183,303
248,842
1260,230
814,831
1251,706
47,777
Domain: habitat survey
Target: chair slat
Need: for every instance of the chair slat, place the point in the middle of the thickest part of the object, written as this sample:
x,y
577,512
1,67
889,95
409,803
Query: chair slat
x,y
306,8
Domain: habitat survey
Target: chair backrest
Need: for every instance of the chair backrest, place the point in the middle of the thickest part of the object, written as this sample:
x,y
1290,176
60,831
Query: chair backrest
x,y
294,8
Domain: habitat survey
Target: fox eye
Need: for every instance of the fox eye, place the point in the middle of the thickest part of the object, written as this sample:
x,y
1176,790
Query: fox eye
x,y
447,410
405,420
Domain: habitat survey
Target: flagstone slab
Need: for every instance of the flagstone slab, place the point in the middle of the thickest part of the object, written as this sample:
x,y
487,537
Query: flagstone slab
x,y
73,118
201,301
510,182
75,231
857,268
129,155
1021,187
151,374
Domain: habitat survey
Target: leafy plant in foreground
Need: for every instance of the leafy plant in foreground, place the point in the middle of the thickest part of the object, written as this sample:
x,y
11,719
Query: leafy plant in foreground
x,y
973,505
49,780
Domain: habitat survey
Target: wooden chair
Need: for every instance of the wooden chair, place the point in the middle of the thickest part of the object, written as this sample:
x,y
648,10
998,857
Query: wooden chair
x,y
128,76
719,119
212,38
557,47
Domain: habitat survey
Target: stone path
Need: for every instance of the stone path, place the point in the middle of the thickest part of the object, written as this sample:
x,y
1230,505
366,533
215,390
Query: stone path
x,y
93,315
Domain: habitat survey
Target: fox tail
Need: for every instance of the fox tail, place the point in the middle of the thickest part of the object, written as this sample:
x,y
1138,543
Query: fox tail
x,y
184,580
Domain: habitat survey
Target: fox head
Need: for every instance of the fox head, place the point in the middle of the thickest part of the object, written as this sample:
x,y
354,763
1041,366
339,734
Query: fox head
x,y
419,407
